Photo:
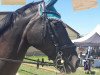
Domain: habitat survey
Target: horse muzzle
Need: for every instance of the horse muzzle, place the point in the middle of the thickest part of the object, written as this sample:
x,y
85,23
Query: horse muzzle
x,y
71,65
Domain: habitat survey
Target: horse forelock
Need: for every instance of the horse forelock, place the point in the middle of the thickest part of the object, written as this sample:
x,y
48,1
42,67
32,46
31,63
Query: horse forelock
x,y
28,6
53,20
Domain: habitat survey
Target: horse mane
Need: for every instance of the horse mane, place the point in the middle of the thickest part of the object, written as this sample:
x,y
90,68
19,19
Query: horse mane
x,y
21,10
7,22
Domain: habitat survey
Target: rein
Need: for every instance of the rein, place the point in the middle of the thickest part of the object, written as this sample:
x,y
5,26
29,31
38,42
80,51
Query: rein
x,y
28,62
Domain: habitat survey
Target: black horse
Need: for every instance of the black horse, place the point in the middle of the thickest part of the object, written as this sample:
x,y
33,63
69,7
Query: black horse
x,y
24,28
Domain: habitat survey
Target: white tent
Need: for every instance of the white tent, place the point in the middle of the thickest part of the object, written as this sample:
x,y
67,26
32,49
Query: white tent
x,y
91,39
96,30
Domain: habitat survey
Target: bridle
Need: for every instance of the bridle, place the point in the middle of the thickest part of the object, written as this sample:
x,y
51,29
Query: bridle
x,y
59,61
54,37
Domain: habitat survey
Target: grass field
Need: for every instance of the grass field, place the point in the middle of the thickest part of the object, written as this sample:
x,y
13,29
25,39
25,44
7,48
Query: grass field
x,y
38,57
30,70
26,69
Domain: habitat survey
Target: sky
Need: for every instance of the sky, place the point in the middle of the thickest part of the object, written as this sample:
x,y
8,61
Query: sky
x,y
82,21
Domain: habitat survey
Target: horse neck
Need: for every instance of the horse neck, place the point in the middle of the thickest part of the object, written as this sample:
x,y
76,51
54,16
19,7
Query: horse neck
x,y
10,39
9,43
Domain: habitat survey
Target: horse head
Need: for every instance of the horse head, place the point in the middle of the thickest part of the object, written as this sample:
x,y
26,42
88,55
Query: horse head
x,y
51,37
